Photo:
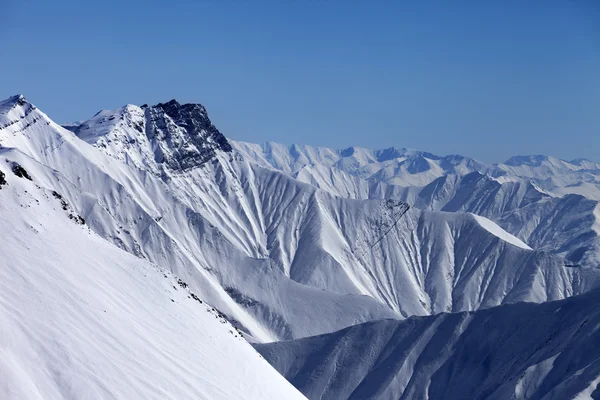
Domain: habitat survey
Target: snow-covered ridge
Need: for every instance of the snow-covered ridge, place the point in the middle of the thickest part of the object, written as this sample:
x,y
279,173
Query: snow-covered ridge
x,y
293,157
502,234
409,167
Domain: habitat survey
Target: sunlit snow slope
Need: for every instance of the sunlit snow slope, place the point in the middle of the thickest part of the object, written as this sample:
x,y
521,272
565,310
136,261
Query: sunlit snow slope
x,y
81,318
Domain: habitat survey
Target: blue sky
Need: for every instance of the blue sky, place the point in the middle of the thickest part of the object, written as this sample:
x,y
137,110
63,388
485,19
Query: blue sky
x,y
487,79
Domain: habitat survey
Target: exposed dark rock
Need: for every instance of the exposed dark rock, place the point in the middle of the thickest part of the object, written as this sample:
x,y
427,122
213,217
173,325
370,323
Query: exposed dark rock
x,y
63,203
183,135
20,171
77,218
182,283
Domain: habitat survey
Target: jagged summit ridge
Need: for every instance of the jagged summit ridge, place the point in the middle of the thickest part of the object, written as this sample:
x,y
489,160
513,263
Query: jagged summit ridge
x,y
168,137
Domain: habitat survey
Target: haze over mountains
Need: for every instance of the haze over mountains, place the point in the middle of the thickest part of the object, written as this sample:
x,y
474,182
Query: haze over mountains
x,y
288,242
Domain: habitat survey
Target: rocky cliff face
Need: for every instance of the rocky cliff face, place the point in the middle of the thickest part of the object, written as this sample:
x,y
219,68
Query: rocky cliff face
x,y
182,136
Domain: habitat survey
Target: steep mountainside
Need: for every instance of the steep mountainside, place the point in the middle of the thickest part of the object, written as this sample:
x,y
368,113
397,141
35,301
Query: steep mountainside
x,y
84,319
520,351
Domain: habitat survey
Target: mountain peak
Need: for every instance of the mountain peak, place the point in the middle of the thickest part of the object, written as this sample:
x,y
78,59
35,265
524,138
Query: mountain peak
x,y
184,135
174,107
12,102
174,135
18,98
14,111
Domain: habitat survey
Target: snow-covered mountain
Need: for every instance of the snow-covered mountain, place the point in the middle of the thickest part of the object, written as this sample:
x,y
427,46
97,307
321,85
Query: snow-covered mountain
x,y
548,203
84,319
373,248
294,242
267,250
520,351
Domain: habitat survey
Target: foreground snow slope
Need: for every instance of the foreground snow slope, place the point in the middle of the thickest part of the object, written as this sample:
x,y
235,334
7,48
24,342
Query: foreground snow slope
x,y
548,203
519,351
84,319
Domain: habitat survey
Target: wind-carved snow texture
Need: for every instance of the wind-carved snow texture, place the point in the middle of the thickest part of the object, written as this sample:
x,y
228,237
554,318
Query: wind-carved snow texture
x,y
284,259
381,226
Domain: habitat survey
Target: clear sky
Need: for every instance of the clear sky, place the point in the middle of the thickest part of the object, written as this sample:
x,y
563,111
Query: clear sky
x,y
486,79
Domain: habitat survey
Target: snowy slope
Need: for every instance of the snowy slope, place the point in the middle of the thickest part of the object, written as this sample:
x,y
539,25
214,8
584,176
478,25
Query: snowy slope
x,y
84,319
521,351
564,225
264,248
